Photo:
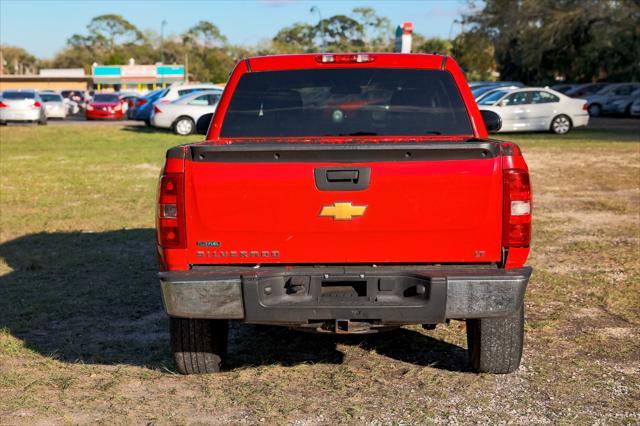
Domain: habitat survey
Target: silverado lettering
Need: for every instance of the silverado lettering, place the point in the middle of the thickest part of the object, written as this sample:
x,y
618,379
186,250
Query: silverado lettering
x,y
374,177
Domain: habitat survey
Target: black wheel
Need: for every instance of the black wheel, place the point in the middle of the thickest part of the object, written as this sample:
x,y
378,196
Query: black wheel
x,y
3,123
148,123
184,126
199,346
595,110
495,344
561,124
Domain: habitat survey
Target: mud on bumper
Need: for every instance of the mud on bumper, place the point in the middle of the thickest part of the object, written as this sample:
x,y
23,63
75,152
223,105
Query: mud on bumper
x,y
304,296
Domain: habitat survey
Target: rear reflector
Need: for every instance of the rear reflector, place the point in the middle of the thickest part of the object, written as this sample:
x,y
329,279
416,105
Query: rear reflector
x,y
344,59
517,208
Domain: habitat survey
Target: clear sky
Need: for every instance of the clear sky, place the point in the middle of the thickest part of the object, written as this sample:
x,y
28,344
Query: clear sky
x,y
43,26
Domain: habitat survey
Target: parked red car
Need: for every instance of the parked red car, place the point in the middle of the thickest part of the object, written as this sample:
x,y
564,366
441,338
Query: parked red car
x,y
105,106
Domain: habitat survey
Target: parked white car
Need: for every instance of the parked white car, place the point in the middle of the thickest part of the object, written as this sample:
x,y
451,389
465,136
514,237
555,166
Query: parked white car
x,y
178,90
536,109
598,103
54,105
182,114
21,106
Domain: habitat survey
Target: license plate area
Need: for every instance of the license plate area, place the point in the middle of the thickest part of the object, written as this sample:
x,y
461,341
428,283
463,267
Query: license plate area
x,y
343,289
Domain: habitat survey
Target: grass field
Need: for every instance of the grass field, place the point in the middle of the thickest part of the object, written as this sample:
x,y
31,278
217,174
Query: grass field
x,y
83,335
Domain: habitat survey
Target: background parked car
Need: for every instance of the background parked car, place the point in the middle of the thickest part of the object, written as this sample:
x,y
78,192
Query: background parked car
x,y
584,90
492,91
620,101
484,88
144,106
534,109
22,106
177,90
182,114
105,106
129,100
634,110
54,105
75,100
564,88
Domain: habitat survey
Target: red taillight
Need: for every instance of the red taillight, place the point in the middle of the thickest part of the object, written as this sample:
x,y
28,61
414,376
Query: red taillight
x,y
3,105
344,59
170,216
37,104
156,109
141,102
516,230
584,107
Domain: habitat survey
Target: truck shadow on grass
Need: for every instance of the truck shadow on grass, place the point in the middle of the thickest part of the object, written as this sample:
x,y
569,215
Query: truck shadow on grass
x,y
93,298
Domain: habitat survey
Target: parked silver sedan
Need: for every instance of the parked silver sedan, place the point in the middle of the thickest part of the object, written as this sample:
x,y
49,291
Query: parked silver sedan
x,y
21,106
182,114
54,105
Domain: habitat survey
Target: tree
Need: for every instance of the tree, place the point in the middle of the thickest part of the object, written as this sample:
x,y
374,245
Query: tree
x,y
475,54
204,34
432,45
342,34
378,31
16,60
576,40
298,37
112,30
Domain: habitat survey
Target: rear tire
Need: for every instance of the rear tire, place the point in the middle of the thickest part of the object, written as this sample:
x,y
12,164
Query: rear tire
x,y
561,125
184,126
495,344
199,346
595,110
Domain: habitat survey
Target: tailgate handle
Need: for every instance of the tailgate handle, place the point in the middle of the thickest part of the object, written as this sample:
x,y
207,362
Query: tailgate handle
x,y
342,176
342,179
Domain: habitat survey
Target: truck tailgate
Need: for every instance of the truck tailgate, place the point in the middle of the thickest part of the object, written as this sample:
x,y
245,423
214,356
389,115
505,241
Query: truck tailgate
x,y
322,203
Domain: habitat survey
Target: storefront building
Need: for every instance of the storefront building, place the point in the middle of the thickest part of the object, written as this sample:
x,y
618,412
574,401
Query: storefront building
x,y
135,78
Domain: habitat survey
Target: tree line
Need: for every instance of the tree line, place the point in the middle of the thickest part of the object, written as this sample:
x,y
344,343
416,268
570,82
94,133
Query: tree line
x,y
533,41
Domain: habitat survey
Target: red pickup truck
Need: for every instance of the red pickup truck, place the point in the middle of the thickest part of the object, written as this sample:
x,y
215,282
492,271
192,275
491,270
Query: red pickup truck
x,y
345,193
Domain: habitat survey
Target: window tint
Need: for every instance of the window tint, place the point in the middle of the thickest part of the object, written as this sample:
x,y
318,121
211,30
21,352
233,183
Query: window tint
x,y
50,97
341,102
520,98
102,97
200,100
492,98
183,92
543,98
623,90
18,95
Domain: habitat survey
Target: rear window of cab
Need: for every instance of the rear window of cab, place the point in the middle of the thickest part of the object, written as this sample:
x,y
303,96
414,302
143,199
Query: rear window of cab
x,y
346,102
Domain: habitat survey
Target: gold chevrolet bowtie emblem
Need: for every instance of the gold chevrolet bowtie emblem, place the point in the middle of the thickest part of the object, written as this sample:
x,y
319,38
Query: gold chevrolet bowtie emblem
x,y
342,211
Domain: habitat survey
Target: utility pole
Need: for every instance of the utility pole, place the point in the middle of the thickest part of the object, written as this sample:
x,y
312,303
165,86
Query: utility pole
x,y
316,9
186,67
162,25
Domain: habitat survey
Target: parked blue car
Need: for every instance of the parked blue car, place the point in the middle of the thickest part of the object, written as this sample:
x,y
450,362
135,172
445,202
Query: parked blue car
x,y
144,107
